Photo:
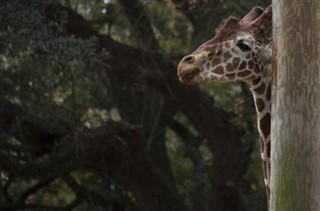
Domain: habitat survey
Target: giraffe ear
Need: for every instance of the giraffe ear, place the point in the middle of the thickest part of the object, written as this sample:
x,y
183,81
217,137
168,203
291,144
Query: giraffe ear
x,y
252,15
265,19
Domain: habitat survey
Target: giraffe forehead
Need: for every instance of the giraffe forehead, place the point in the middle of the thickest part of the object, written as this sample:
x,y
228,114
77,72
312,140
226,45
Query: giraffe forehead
x,y
231,43
245,36
214,49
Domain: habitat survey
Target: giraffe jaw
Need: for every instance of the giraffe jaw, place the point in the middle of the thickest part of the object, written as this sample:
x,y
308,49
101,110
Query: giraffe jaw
x,y
190,76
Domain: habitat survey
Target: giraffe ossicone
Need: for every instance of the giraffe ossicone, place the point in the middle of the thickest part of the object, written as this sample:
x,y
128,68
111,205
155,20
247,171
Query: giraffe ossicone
x,y
240,51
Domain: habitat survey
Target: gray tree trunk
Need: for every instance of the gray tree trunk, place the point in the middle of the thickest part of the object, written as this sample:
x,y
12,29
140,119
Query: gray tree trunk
x,y
295,153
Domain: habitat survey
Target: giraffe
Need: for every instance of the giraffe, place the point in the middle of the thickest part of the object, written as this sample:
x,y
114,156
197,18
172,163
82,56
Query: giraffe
x,y
240,51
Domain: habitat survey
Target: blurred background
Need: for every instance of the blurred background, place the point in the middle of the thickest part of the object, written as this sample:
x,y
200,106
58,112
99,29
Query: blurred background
x,y
93,117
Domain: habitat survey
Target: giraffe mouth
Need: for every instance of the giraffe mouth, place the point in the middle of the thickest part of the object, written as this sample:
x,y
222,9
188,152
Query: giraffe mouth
x,y
188,76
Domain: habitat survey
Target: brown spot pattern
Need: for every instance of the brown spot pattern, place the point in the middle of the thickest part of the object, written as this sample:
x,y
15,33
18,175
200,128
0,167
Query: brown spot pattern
x,y
230,75
218,70
244,73
229,67
243,65
226,56
210,55
248,56
250,65
265,124
257,69
268,149
235,62
216,61
256,81
260,90
260,104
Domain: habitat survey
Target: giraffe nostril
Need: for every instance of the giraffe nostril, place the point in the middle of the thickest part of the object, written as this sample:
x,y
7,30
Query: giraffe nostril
x,y
188,59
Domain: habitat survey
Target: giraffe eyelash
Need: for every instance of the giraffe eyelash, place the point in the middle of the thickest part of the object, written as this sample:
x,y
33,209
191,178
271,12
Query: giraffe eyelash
x,y
243,46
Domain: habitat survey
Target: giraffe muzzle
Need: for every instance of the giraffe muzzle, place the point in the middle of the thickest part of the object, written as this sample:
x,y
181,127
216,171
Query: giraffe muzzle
x,y
189,69
188,76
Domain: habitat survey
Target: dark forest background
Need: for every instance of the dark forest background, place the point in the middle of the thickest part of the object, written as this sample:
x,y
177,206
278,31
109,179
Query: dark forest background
x,y
93,117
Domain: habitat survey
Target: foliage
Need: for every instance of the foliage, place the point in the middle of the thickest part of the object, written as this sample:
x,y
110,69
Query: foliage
x,y
45,71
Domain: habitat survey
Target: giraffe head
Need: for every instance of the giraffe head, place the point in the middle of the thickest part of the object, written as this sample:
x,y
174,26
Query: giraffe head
x,y
238,52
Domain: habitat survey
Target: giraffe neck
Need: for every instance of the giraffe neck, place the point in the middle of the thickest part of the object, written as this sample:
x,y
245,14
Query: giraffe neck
x,y
261,91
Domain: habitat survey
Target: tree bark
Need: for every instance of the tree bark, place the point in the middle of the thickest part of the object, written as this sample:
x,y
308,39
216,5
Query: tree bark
x,y
295,179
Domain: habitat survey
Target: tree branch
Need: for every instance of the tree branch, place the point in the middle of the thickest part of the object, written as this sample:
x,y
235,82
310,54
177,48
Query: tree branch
x,y
28,129
33,189
116,149
81,192
141,24
112,148
212,124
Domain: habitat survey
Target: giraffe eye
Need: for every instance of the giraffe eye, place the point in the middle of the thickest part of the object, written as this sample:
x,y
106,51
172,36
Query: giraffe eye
x,y
243,46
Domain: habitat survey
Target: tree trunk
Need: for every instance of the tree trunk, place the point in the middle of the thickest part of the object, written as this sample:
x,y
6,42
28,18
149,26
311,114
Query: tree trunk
x,y
295,178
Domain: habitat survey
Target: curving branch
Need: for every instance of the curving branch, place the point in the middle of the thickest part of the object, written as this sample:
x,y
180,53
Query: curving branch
x,y
84,193
29,129
213,124
136,15
113,148
118,149
32,190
